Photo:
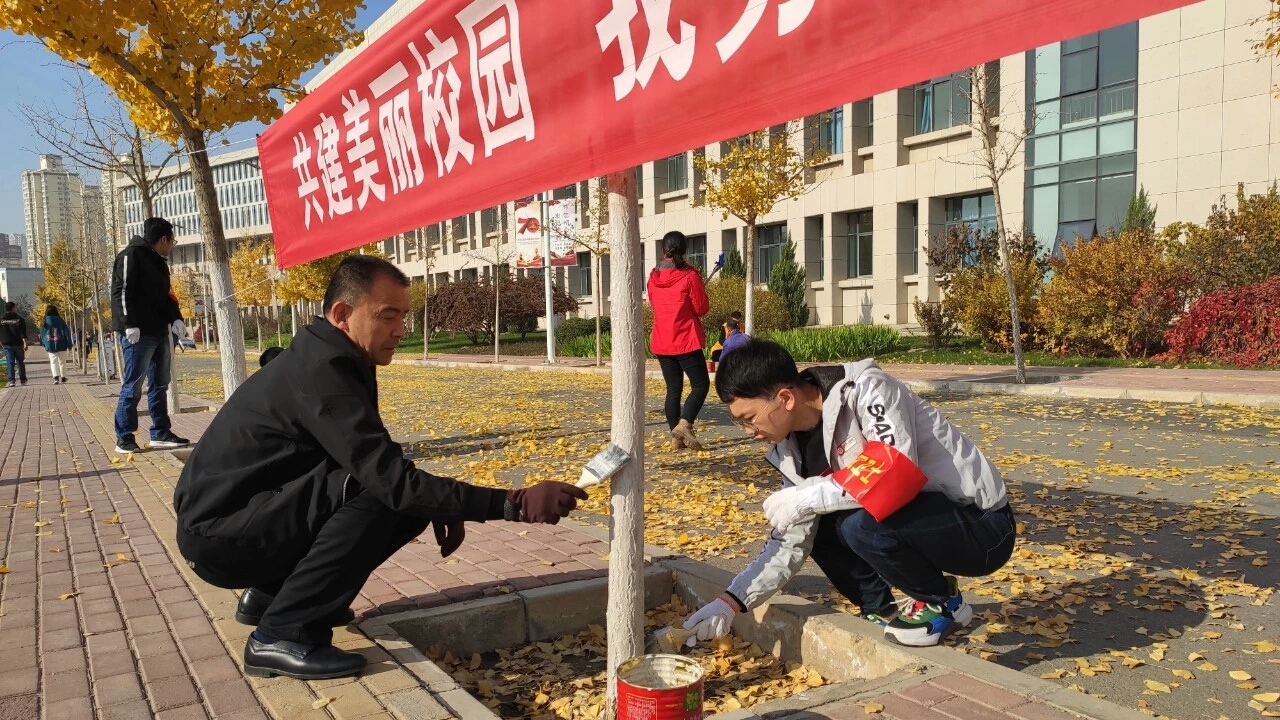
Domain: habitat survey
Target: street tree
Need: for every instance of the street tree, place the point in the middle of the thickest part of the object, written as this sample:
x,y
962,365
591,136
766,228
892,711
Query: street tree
x,y
594,239
188,69
1000,136
308,281
497,253
251,275
1141,215
99,135
750,177
429,250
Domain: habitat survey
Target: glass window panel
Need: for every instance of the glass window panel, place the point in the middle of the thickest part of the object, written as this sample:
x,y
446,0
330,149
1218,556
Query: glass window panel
x,y
1118,54
1044,176
864,255
1048,79
987,205
1044,215
1115,138
1048,117
942,105
1117,102
1117,164
970,207
924,109
1079,110
961,92
1045,150
1079,72
1068,232
1077,200
1079,144
1080,43
1114,194
1080,170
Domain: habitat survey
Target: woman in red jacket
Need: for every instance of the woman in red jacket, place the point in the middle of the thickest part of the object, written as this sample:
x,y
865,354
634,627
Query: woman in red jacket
x,y
679,300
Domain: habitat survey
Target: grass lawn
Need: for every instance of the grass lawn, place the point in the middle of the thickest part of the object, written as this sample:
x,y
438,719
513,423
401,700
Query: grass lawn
x,y
535,343
968,351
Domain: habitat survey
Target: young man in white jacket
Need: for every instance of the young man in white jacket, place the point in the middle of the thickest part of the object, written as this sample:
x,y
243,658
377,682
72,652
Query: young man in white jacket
x,y
818,424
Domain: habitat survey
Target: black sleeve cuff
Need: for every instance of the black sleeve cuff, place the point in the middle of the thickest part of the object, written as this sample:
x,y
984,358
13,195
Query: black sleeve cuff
x,y
485,504
742,607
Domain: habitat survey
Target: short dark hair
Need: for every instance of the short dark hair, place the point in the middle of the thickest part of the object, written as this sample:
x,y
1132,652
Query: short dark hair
x,y
732,323
354,279
674,245
51,311
156,229
268,355
736,315
755,370
9,306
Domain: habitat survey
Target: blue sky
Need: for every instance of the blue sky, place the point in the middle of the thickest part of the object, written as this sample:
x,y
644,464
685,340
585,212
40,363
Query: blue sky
x,y
31,74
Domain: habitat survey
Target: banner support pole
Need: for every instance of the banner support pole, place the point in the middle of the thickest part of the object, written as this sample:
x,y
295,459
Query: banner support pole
x,y
546,280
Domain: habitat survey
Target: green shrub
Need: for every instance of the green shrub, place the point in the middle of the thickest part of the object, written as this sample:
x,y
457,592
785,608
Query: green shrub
x,y
584,346
837,344
575,327
733,265
939,326
787,280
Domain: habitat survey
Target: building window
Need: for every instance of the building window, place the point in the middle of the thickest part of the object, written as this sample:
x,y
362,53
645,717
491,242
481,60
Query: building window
x,y
696,252
915,238
829,131
584,274
769,242
860,243
677,172
943,102
976,212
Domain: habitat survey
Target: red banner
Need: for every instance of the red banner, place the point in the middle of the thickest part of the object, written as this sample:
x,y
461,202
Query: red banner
x,y
467,104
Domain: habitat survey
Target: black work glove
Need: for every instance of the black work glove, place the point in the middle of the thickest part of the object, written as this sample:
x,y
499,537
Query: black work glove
x,y
449,535
545,502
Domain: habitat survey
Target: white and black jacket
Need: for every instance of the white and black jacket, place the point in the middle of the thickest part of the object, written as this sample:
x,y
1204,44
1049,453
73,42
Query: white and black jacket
x,y
861,403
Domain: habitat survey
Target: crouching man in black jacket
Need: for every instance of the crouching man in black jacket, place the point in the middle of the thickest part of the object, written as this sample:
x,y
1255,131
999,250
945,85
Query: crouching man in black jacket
x,y
298,493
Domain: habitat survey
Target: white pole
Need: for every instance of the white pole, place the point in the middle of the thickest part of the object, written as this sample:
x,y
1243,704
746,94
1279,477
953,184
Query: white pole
x,y
546,281
204,277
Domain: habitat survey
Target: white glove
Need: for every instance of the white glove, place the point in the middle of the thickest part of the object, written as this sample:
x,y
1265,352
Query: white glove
x,y
711,621
133,335
794,505
179,328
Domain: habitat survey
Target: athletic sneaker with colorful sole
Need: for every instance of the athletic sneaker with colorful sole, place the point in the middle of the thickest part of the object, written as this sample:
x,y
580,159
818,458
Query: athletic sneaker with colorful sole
x,y
923,624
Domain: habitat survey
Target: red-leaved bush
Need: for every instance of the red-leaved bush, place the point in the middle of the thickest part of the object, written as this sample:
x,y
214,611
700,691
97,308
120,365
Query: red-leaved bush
x,y
1240,326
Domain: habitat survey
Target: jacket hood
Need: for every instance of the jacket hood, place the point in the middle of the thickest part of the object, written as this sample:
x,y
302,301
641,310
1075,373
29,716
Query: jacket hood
x,y
666,274
137,241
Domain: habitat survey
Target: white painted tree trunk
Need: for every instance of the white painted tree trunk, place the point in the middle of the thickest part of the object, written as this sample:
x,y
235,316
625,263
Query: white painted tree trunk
x,y
599,308
625,617
230,335
749,263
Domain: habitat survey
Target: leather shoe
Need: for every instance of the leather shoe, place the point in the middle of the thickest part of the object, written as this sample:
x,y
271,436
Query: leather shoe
x,y
296,660
253,603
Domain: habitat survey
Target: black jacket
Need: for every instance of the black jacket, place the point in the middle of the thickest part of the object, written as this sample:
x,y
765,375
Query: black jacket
x,y
273,465
13,329
140,295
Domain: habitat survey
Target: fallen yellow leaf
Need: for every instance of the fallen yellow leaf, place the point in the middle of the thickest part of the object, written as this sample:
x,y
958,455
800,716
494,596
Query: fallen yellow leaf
x,y
67,596
1207,667
872,708
122,557
4,569
1268,697
1240,675
1185,674
1156,686
322,702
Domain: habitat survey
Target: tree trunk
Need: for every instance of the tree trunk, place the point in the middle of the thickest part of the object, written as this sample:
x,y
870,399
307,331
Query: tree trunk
x,y
497,313
1006,266
142,176
426,325
625,618
599,308
749,262
230,335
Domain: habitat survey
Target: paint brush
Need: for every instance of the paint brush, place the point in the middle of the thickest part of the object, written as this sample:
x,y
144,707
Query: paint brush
x,y
668,640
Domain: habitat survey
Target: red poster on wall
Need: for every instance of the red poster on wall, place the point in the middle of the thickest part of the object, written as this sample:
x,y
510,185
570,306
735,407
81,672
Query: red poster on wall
x,y
466,104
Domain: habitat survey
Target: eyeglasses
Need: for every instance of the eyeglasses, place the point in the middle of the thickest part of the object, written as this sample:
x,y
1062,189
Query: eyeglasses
x,y
750,425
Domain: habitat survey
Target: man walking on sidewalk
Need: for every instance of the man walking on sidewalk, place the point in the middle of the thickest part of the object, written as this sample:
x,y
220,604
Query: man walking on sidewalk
x,y
144,313
298,493
13,335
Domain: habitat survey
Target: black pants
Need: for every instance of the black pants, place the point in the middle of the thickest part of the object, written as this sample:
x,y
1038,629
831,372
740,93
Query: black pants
x,y
674,368
912,549
314,581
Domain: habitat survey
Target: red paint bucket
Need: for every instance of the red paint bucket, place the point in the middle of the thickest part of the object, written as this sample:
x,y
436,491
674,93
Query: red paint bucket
x,y
711,366
660,687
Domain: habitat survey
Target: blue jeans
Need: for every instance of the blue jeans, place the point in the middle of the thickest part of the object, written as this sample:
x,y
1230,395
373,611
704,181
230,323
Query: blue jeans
x,y
15,356
148,358
911,550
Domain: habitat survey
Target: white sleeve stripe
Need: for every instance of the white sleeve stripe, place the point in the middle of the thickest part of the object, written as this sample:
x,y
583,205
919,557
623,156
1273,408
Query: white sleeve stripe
x,y
124,289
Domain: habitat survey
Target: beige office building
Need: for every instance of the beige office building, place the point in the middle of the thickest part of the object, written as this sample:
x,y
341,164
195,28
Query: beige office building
x,y
53,206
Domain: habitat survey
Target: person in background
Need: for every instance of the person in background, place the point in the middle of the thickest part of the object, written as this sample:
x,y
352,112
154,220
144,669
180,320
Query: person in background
x,y
144,312
56,339
734,339
718,348
109,355
268,355
13,335
679,300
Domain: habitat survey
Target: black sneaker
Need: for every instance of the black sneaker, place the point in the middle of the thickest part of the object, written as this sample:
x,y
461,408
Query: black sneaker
x,y
168,440
127,445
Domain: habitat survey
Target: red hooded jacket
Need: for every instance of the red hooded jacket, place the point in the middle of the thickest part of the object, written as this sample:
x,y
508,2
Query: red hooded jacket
x,y
678,299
